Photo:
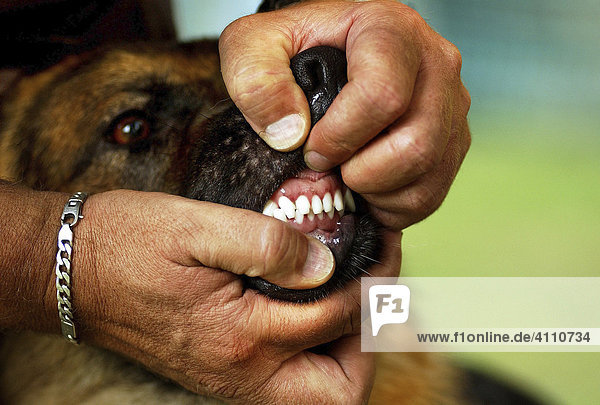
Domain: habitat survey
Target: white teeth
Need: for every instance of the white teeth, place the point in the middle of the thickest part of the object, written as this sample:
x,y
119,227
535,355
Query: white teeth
x,y
279,214
349,201
287,206
285,209
327,203
270,206
338,200
299,217
317,205
303,205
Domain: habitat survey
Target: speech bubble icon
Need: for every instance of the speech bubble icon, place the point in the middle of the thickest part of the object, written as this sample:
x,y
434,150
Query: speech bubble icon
x,y
388,304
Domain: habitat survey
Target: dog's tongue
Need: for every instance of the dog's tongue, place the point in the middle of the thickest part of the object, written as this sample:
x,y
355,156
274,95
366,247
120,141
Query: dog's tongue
x,y
311,201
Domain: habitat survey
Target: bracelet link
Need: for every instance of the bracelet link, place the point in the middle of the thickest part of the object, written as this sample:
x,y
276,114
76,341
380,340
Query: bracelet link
x,y
72,212
68,331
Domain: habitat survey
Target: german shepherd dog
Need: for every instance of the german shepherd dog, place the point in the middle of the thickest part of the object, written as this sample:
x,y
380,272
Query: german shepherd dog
x,y
157,117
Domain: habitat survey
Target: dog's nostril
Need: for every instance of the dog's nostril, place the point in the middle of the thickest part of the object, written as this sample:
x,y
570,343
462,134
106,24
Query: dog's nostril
x,y
321,73
315,75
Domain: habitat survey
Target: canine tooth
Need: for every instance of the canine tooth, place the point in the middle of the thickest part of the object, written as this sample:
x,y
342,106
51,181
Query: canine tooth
x,y
338,200
320,215
299,217
311,216
327,203
279,214
349,201
287,206
317,204
302,204
270,206
330,214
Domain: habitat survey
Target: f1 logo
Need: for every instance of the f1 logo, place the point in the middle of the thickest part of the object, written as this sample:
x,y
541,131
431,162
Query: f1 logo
x,y
388,304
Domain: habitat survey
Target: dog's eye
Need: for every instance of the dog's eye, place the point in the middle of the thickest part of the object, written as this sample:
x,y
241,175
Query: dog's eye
x,y
130,129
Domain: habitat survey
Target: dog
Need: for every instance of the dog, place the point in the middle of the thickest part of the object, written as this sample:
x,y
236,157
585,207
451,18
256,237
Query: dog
x,y
157,117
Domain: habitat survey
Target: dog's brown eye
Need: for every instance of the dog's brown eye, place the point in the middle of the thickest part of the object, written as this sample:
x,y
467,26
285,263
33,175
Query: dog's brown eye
x,y
130,129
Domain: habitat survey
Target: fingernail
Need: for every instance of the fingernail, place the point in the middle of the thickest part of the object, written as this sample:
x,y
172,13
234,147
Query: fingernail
x,y
317,162
286,133
320,262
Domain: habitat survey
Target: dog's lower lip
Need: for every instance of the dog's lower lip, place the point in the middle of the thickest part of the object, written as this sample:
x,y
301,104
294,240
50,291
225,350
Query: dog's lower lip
x,y
340,240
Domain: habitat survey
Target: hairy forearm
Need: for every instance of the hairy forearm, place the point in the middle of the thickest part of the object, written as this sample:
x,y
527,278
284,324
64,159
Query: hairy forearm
x,y
29,222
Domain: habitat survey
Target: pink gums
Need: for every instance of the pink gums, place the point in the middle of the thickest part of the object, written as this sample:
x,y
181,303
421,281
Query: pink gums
x,y
310,183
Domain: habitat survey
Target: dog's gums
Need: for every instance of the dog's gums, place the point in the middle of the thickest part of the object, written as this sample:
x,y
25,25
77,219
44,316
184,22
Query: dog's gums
x,y
318,204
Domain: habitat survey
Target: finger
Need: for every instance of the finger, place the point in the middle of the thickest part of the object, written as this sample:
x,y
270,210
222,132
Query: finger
x,y
292,327
415,144
410,204
256,69
211,234
343,376
382,66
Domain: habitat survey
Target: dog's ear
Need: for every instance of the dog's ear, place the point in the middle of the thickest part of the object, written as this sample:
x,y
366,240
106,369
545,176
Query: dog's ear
x,y
270,5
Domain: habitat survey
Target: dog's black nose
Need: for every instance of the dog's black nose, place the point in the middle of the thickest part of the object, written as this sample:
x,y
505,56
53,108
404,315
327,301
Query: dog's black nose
x,y
321,73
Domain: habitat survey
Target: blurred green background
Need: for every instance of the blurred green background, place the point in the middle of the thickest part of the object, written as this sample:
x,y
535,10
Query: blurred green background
x,y
527,199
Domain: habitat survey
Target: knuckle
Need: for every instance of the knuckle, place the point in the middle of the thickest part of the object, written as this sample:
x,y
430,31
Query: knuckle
x,y
422,156
279,248
223,388
422,202
242,350
253,90
231,32
468,141
466,98
452,56
383,9
383,99
337,148
245,82
411,16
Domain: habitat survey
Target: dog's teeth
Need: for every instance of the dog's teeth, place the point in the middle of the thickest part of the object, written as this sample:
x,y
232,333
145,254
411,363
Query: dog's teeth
x,y
270,206
320,215
327,203
349,201
299,217
330,214
338,200
279,214
317,205
302,204
287,206
311,216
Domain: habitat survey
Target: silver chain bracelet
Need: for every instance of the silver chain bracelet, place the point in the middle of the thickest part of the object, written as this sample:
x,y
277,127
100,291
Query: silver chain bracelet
x,y
71,214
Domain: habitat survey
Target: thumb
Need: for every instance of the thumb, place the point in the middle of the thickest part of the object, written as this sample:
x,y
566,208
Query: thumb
x,y
249,243
255,63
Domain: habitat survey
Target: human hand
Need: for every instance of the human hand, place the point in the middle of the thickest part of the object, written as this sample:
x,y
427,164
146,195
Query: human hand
x,y
398,128
146,285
